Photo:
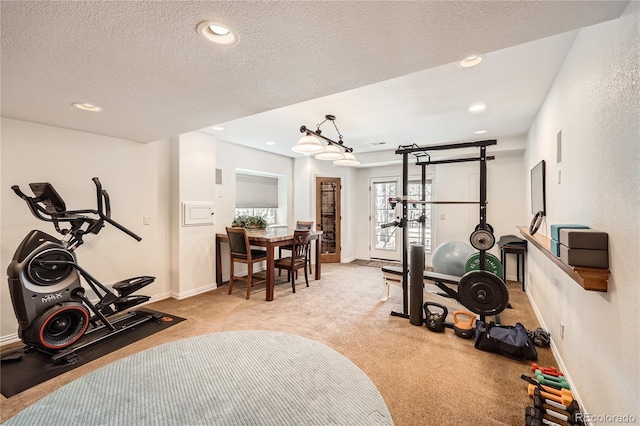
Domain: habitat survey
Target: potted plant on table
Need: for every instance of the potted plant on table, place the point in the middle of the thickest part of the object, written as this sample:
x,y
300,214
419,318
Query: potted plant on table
x,y
250,222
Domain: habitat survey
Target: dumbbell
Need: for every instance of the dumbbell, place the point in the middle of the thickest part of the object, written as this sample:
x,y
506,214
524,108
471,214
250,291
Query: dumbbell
x,y
533,421
564,399
556,382
539,402
550,376
550,371
563,396
538,413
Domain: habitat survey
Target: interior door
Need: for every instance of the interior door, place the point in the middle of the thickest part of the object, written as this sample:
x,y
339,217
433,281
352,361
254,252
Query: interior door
x,y
385,243
328,217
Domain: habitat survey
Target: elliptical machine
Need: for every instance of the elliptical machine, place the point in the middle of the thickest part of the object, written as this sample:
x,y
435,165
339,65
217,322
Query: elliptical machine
x,y
54,314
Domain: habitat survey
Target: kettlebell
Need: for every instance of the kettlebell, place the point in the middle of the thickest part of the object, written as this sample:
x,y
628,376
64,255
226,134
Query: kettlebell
x,y
435,321
463,327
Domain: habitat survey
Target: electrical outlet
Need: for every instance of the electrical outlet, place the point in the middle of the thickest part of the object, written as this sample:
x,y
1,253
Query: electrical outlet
x,y
146,220
530,277
561,331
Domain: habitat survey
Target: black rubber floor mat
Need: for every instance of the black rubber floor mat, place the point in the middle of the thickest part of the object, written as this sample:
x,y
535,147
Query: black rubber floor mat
x,y
21,370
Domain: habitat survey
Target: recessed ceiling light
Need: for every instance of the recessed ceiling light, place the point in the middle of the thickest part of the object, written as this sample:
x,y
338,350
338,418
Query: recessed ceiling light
x,y
87,107
479,107
480,132
271,143
217,128
470,61
217,32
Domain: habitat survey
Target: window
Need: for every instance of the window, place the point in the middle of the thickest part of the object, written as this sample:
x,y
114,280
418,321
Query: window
x,y
384,237
257,195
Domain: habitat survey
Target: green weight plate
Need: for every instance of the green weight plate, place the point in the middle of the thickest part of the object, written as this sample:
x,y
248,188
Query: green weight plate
x,y
492,264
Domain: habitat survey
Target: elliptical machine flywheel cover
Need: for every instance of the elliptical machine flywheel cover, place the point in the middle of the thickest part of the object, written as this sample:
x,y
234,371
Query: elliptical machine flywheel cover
x,y
58,327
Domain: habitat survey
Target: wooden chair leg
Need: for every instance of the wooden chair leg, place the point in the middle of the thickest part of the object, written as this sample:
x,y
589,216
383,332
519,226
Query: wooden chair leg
x,y
249,276
280,257
293,280
306,276
230,276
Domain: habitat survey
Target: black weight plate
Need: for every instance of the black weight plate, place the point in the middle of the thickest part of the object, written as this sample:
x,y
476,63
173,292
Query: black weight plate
x,y
483,293
486,226
482,239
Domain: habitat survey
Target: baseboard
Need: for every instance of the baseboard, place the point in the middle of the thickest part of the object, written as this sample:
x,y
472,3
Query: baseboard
x,y
10,338
556,353
191,293
349,259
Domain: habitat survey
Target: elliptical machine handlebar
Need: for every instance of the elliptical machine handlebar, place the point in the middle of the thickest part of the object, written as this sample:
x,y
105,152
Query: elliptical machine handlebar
x,y
104,211
54,210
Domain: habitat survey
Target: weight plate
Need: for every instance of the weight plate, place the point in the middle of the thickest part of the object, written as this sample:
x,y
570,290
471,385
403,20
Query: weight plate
x,y
491,264
483,293
486,226
482,239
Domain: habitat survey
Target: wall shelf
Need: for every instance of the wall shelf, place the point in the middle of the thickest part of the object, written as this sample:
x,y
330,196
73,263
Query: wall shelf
x,y
593,279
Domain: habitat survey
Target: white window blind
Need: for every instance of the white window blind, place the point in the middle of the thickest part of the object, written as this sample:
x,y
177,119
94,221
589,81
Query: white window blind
x,y
256,191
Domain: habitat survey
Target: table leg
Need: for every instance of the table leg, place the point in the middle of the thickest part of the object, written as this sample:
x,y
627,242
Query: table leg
x,y
271,273
523,272
318,262
218,263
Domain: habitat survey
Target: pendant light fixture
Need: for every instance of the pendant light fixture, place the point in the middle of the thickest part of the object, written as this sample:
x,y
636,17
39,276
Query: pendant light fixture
x,y
331,152
310,144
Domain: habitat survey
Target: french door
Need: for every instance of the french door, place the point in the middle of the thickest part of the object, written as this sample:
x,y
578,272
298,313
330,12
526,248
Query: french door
x,y
386,243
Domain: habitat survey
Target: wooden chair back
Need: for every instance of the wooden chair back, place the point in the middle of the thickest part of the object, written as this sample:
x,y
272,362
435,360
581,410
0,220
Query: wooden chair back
x,y
304,226
238,241
301,240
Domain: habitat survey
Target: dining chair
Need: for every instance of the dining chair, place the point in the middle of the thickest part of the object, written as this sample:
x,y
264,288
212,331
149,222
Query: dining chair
x,y
298,258
300,226
240,251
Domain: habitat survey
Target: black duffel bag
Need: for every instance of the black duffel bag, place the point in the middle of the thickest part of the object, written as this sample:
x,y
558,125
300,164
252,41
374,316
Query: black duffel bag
x,y
512,341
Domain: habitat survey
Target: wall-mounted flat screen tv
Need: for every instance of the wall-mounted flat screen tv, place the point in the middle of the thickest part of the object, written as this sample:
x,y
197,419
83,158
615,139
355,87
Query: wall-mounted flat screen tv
x,y
538,192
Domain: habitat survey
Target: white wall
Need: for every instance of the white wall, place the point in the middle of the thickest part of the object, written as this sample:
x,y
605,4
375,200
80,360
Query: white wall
x,y
505,196
196,173
595,102
136,177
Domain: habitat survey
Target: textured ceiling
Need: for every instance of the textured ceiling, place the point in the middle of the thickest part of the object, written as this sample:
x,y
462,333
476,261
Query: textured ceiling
x,y
155,77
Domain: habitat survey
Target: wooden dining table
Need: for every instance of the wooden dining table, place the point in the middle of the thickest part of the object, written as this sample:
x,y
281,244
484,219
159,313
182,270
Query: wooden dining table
x,y
269,238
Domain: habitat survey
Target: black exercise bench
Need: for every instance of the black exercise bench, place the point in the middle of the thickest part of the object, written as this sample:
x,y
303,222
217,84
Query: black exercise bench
x,y
394,274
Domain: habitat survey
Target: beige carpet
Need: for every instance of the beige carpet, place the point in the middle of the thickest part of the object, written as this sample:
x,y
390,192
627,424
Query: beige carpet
x,y
425,378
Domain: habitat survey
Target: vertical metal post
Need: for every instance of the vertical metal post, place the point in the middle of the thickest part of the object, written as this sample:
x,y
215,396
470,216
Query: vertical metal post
x,y
483,200
403,226
424,206
405,239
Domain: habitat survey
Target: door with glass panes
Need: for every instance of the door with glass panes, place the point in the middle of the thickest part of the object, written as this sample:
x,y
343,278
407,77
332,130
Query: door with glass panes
x,y
386,243
328,218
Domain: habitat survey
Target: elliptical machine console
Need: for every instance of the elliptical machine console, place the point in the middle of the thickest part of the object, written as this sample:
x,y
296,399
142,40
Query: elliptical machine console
x,y
45,280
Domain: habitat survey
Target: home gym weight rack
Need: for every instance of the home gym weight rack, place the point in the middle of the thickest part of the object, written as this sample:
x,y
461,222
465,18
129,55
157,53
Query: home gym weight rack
x,y
482,292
